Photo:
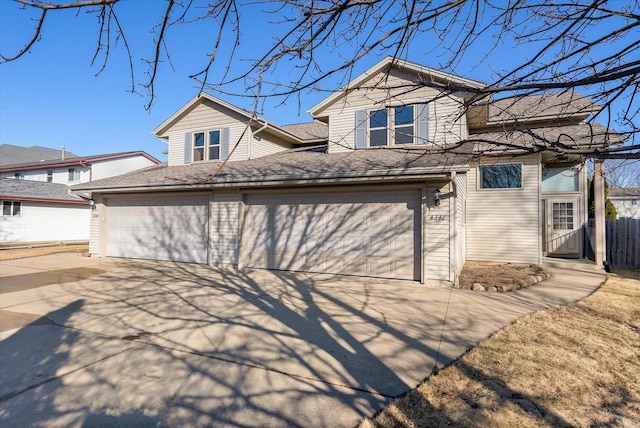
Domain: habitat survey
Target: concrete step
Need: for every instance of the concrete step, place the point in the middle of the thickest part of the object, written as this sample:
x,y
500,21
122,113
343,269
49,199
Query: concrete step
x,y
583,265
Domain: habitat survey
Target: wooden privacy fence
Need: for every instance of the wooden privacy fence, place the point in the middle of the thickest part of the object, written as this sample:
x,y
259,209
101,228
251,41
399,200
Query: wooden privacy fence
x,y
623,243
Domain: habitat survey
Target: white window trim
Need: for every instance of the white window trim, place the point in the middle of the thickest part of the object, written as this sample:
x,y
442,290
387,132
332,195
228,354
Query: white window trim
x,y
391,126
74,179
498,189
12,203
205,157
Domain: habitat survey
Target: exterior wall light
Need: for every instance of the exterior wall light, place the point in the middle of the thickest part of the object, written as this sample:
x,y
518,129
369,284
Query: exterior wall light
x,y
436,197
92,204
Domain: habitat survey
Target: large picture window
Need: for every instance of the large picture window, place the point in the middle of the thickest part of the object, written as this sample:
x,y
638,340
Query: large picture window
x,y
206,146
500,176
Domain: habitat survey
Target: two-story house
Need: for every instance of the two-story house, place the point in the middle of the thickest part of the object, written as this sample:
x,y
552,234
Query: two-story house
x,y
37,205
393,179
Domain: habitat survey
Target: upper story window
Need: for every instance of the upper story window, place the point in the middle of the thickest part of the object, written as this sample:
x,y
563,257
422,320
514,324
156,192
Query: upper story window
x,y
206,145
11,208
392,126
378,128
74,174
403,124
500,176
49,176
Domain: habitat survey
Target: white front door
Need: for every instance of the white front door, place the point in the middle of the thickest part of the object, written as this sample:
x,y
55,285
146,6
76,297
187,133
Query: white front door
x,y
563,229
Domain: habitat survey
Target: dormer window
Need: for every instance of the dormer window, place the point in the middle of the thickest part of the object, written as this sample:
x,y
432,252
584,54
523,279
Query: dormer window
x,y
206,146
392,126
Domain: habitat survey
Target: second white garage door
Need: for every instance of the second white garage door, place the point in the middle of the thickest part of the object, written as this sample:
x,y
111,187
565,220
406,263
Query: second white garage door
x,y
373,233
158,228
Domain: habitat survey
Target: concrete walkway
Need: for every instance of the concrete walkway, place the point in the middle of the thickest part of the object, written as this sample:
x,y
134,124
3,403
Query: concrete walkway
x,y
130,343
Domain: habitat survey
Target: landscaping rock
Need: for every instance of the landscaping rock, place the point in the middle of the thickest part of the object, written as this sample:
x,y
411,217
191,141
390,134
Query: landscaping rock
x,y
492,289
478,287
539,278
530,279
523,283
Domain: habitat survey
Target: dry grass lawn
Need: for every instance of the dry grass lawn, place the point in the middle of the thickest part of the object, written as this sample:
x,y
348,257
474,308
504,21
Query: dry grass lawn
x,y
577,365
20,253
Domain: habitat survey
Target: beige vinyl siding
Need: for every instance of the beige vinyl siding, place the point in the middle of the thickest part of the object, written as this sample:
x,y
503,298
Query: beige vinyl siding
x,y
445,125
204,117
437,235
264,144
503,225
95,225
224,224
460,225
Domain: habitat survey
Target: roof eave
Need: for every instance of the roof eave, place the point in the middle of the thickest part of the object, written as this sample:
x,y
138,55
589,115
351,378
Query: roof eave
x,y
41,199
279,180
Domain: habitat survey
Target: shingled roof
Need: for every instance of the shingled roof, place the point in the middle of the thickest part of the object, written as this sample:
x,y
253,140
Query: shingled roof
x,y
12,155
76,160
564,138
14,189
308,165
627,192
312,131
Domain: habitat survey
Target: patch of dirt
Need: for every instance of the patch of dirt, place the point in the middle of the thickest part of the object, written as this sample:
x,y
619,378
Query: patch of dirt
x,y
502,276
21,253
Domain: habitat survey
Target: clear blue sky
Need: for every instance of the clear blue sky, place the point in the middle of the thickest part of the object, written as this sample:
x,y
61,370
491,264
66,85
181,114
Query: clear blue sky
x,y
52,96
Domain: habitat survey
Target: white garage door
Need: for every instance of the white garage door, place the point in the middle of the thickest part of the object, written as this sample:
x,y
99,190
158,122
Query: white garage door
x,y
158,228
356,233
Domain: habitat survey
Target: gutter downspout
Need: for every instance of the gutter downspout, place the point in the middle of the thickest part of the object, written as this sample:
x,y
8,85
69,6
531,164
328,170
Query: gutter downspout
x,y
454,230
86,165
253,134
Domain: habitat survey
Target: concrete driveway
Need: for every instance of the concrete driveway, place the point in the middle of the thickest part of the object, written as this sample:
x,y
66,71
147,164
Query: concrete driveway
x,y
106,342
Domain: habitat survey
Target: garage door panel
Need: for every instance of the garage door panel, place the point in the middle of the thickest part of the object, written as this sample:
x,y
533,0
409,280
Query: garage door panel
x,y
169,228
358,233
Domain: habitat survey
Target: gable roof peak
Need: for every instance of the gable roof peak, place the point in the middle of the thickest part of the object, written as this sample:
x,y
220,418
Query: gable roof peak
x,y
389,63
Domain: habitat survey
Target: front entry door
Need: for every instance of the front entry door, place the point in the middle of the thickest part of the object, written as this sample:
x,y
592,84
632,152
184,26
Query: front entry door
x,y
563,228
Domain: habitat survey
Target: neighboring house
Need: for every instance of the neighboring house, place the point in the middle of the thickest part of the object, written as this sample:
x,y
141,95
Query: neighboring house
x,y
34,192
36,211
366,189
626,201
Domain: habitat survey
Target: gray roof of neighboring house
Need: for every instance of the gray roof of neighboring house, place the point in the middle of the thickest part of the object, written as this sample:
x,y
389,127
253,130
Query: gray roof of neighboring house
x,y
313,131
548,105
624,192
307,165
10,154
71,161
11,187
